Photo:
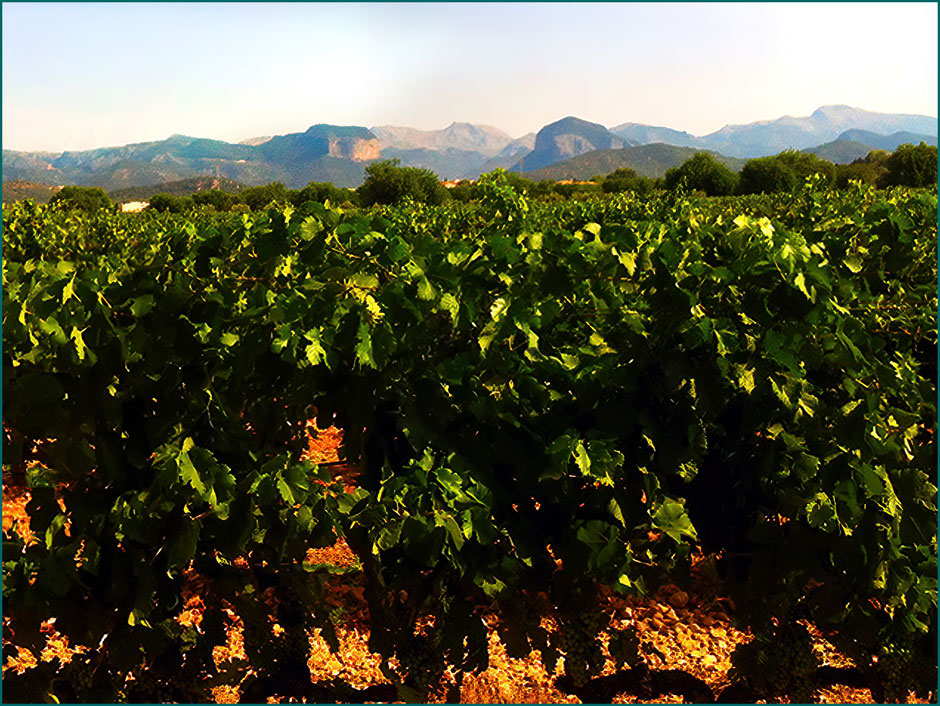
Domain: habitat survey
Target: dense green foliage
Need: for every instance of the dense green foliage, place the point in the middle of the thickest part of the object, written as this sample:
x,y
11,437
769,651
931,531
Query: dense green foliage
x,y
388,183
167,203
322,192
253,198
860,170
625,179
782,172
702,172
543,397
83,198
765,175
912,166
258,197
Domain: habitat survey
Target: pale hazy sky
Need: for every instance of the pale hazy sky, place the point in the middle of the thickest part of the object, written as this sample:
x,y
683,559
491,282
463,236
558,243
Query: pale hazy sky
x,y
83,75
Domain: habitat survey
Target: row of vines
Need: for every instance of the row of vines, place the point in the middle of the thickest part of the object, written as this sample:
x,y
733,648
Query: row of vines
x,y
545,401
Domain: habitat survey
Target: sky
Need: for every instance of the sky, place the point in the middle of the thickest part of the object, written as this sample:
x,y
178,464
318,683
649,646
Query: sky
x,y
85,75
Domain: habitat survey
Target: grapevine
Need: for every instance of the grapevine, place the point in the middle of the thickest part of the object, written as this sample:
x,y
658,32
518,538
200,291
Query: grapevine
x,y
581,394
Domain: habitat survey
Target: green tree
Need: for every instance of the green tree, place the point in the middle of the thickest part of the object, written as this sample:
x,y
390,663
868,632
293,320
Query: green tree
x,y
387,183
703,173
805,164
911,166
619,180
84,198
766,175
257,197
220,200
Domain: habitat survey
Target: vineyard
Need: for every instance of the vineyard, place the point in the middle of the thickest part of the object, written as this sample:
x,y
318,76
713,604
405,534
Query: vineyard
x,y
550,413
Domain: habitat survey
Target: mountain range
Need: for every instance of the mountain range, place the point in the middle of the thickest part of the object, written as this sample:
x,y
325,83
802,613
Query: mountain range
x,y
340,154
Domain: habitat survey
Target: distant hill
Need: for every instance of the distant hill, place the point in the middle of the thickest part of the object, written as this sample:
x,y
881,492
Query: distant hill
x,y
20,190
888,142
638,134
566,138
841,151
183,187
855,144
646,160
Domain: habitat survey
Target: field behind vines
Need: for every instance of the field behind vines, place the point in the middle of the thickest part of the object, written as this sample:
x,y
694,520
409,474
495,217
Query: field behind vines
x,y
636,448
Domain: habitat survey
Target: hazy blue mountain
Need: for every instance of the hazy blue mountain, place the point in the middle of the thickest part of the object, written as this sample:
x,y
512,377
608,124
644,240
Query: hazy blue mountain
x,y
567,138
510,154
768,137
639,134
646,160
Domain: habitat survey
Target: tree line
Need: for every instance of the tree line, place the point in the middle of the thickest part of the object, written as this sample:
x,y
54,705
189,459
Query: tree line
x,y
387,182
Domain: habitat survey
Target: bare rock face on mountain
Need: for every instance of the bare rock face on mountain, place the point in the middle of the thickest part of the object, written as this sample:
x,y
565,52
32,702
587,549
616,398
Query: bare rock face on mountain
x,y
567,138
321,141
354,148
